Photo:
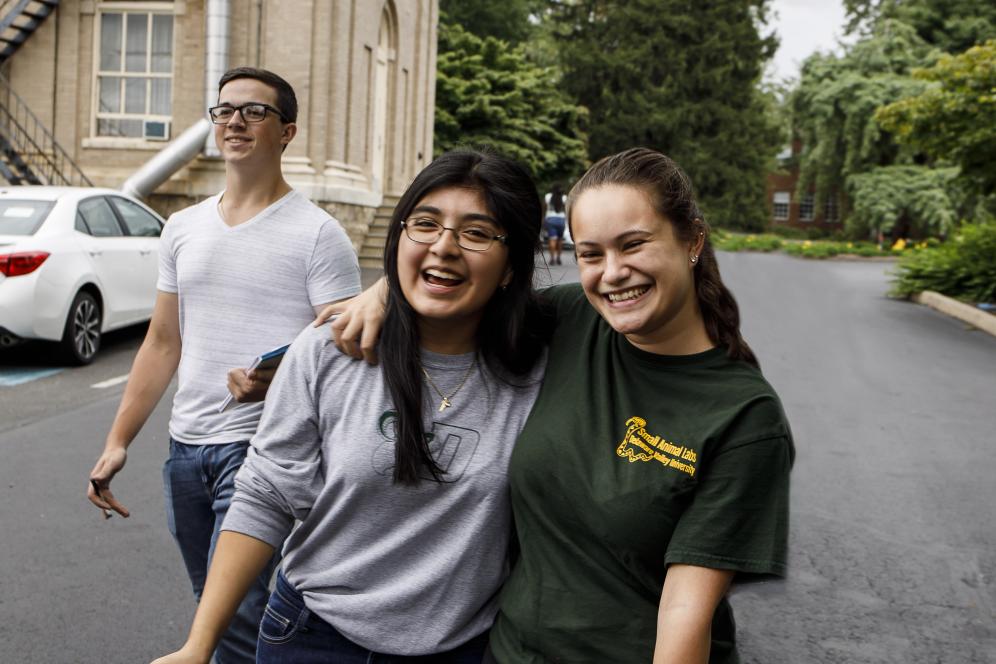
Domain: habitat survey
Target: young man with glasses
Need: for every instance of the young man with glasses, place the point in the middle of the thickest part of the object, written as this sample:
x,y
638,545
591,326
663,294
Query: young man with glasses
x,y
240,273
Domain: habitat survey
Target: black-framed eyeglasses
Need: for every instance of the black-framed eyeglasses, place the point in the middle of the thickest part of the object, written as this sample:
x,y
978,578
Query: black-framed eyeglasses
x,y
472,237
252,111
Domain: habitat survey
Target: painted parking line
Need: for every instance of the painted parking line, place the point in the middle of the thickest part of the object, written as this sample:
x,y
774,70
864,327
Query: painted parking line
x,y
12,377
110,382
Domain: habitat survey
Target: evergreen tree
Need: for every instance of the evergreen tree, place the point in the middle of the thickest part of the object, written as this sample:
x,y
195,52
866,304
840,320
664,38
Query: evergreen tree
x,y
489,93
681,77
507,20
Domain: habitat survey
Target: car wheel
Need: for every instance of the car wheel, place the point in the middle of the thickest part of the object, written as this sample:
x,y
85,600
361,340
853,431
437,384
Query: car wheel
x,y
81,338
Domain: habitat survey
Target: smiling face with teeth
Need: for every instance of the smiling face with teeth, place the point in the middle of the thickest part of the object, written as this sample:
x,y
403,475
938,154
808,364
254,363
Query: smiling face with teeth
x,y
449,287
635,271
252,144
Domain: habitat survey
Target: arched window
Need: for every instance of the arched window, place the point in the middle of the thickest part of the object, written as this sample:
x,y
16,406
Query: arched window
x,y
381,86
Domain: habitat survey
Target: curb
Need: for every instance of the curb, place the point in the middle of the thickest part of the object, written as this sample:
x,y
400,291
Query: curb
x,y
963,312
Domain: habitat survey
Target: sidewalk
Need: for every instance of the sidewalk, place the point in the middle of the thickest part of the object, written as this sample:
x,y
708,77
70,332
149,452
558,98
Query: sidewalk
x,y
966,313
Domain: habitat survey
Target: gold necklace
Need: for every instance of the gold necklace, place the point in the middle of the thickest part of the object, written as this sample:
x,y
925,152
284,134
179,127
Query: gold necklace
x,y
445,403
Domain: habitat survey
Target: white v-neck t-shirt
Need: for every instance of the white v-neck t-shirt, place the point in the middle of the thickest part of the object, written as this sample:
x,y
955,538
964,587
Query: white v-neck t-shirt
x,y
244,290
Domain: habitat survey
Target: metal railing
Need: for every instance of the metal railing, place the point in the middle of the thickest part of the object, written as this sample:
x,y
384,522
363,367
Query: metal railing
x,y
18,20
34,144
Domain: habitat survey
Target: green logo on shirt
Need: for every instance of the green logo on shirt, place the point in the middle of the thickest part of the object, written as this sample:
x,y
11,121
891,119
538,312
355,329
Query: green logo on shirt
x,y
451,446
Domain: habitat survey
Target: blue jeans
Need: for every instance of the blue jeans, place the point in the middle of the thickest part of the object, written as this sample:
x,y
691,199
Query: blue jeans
x,y
199,482
291,634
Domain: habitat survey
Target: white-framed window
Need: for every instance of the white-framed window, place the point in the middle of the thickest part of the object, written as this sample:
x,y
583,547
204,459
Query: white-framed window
x,y
133,86
807,207
831,211
780,205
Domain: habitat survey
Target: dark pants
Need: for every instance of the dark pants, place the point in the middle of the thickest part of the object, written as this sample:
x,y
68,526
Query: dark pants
x,y
199,483
291,634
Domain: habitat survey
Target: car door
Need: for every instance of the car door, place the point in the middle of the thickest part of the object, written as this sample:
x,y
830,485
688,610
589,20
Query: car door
x,y
143,229
114,259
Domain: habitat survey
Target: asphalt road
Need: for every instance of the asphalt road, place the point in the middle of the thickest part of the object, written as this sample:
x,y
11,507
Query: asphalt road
x,y
893,554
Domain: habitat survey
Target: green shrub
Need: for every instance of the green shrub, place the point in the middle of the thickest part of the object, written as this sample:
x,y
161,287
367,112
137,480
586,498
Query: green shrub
x,y
788,232
739,242
866,249
963,267
810,249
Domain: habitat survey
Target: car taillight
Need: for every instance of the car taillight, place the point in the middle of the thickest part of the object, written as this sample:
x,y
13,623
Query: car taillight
x,y
14,265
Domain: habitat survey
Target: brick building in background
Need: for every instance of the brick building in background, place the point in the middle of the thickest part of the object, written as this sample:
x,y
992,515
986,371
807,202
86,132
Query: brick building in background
x,y
786,208
114,81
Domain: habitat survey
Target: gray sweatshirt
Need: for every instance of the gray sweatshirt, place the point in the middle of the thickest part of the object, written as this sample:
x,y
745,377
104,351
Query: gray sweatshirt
x,y
397,569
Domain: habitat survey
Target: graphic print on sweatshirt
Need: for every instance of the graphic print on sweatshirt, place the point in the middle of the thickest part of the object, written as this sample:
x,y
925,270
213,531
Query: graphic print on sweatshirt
x,y
452,448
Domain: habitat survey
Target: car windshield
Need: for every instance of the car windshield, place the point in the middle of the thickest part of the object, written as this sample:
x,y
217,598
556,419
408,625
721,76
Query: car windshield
x,y
22,217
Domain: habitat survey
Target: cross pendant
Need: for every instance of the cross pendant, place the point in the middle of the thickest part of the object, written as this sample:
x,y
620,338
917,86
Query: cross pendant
x,y
444,404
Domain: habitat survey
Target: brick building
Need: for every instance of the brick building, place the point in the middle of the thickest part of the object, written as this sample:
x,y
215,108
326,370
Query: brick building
x,y
787,208
114,81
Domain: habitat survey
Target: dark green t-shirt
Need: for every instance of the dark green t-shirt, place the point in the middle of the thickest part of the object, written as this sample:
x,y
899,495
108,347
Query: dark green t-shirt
x,y
630,462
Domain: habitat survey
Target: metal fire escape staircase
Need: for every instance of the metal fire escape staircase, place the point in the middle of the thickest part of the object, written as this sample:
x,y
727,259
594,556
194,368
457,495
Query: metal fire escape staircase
x,y
29,153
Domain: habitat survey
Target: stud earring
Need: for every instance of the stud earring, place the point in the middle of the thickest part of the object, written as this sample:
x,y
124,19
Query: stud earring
x,y
694,258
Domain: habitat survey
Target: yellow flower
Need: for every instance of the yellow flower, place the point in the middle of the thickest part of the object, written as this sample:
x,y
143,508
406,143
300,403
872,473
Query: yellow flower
x,y
899,245
807,244
850,245
750,238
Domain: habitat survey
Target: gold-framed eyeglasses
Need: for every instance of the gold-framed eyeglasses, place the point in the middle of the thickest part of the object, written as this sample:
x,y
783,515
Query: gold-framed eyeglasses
x,y
253,111
472,236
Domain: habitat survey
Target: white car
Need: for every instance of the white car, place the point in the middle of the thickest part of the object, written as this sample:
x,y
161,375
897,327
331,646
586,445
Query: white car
x,y
75,262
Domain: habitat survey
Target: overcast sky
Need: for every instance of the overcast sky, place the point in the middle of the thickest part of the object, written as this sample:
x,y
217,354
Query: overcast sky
x,y
803,26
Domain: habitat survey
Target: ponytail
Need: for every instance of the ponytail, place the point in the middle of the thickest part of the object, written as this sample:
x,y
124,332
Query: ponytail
x,y
719,308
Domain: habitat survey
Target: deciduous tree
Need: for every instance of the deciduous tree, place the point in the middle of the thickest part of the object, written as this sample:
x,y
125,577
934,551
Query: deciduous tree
x,y
954,118
950,25
834,105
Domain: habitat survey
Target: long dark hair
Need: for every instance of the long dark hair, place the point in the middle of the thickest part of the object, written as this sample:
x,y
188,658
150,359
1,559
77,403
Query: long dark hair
x,y
557,198
515,326
671,191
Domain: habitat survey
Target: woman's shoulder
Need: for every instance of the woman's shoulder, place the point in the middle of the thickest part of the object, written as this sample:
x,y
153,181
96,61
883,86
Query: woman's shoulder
x,y
756,409
314,350
567,299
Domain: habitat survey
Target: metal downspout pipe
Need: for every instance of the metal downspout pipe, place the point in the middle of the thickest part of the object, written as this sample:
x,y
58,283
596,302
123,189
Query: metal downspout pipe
x,y
197,137
219,13
169,160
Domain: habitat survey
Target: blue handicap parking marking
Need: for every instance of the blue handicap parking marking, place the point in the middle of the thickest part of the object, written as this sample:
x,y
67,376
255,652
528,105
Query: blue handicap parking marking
x,y
12,377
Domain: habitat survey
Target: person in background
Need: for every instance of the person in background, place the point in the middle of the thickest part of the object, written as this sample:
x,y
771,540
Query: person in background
x,y
259,246
653,470
554,223
396,474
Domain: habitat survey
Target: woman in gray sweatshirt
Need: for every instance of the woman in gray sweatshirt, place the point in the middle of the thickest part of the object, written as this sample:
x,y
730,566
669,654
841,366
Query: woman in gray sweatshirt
x,y
387,485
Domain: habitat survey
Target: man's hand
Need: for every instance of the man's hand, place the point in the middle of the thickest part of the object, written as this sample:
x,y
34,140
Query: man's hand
x,y
99,487
357,328
249,385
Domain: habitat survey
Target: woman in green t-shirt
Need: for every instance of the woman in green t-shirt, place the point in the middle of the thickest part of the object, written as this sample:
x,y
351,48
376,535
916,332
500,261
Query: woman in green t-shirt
x,y
653,469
